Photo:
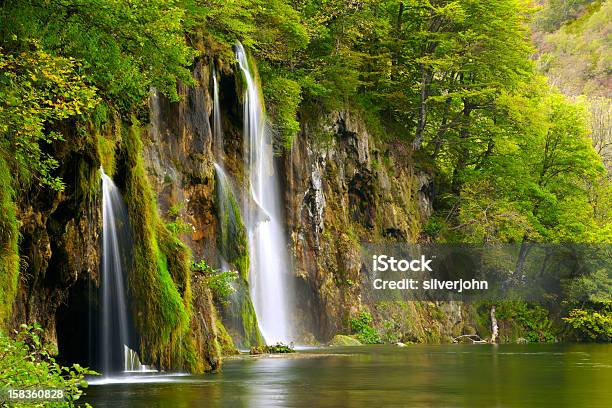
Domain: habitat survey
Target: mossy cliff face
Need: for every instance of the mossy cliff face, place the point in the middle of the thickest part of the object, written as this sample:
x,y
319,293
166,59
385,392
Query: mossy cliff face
x,y
342,189
178,151
58,248
9,250
165,173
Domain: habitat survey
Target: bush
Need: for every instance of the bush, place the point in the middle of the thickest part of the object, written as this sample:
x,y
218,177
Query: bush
x,y
362,327
27,363
532,320
278,348
591,325
219,282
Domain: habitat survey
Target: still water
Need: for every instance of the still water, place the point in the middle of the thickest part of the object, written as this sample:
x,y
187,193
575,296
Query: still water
x,y
385,376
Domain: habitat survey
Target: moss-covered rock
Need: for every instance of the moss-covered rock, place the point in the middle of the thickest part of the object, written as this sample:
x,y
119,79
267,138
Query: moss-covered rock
x,y
225,341
9,251
278,348
159,282
344,340
232,244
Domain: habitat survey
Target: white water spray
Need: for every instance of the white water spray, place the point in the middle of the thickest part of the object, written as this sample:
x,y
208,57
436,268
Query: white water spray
x,y
269,269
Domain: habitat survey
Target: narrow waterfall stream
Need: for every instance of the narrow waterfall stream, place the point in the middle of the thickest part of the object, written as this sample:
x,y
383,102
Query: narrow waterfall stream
x,y
115,354
227,205
267,247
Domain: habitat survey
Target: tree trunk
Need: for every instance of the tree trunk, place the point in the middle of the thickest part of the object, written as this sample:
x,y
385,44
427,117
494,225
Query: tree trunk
x,y
418,138
464,152
522,256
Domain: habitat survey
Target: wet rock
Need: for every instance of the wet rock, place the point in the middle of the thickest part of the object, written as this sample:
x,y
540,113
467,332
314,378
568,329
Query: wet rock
x,y
344,341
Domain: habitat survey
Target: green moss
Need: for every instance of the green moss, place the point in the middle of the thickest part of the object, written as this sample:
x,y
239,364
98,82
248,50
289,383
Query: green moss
x,y
9,251
241,319
232,240
159,281
249,322
278,348
87,183
107,129
178,259
232,243
106,148
343,341
225,341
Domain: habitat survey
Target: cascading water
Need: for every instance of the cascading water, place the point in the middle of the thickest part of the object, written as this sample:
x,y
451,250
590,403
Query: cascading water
x,y
226,206
267,247
115,353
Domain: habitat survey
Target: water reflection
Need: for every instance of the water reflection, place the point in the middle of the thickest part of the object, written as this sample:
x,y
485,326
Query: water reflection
x,y
416,376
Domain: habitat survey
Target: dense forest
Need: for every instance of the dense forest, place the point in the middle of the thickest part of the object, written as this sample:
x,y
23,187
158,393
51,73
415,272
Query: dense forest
x,y
502,105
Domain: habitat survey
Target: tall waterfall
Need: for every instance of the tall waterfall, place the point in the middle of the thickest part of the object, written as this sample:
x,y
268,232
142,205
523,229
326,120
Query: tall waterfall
x,y
267,247
114,352
114,330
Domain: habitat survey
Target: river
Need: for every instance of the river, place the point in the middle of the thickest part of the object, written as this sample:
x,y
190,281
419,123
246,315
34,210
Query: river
x,y
533,375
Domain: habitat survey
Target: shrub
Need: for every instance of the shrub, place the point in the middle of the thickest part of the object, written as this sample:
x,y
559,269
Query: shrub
x,y
278,348
591,325
362,327
532,320
26,362
219,282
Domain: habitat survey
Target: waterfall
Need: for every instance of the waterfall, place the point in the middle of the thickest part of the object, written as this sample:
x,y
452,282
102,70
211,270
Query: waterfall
x,y
269,265
114,351
226,203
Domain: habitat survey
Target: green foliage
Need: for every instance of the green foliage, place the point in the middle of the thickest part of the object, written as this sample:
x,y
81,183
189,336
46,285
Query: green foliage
x,y
125,46
9,251
590,290
177,226
557,12
532,320
283,97
271,27
27,362
38,90
220,282
225,340
278,348
592,325
361,325
589,299
577,55
533,186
